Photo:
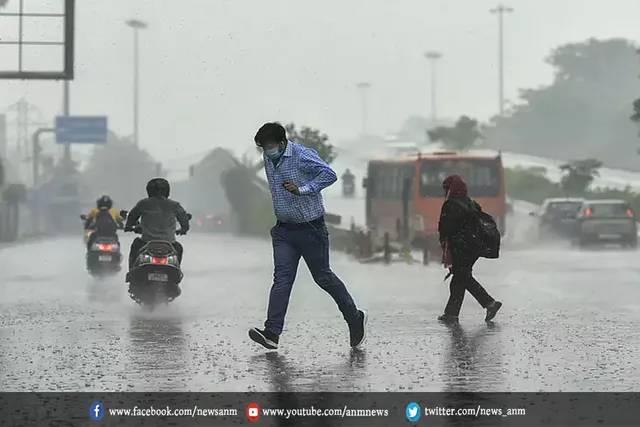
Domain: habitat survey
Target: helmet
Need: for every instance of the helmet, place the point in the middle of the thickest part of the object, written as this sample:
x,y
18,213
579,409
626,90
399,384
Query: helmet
x,y
158,187
104,202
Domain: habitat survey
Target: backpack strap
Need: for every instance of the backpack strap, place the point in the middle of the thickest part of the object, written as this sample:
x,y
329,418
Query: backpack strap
x,y
468,205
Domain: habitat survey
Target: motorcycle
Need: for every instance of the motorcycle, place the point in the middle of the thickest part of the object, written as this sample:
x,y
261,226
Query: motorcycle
x,y
348,189
104,256
155,272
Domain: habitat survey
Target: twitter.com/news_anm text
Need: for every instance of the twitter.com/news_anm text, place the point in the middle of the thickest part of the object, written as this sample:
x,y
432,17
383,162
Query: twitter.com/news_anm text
x,y
478,411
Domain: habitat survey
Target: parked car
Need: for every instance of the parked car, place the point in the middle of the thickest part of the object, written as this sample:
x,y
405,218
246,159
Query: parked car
x,y
606,221
557,217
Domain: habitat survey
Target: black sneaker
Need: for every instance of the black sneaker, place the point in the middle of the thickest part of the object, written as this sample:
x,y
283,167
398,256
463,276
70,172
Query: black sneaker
x,y
264,338
492,310
358,333
445,318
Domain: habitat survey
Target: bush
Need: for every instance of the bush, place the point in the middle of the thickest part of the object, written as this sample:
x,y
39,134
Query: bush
x,y
531,185
14,193
251,204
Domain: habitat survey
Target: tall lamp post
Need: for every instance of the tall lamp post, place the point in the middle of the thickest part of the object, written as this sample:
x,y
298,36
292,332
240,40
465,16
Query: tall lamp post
x,y
137,25
433,57
500,10
363,88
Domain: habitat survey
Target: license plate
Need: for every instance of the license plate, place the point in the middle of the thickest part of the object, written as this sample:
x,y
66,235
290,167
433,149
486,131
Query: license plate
x,y
608,236
158,277
105,258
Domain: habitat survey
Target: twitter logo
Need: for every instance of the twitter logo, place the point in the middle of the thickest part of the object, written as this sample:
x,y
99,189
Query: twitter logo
x,y
413,412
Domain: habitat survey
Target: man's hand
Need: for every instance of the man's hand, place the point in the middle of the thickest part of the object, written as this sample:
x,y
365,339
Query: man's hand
x,y
291,188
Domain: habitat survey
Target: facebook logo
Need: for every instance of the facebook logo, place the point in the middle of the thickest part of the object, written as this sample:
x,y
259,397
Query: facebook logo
x,y
96,411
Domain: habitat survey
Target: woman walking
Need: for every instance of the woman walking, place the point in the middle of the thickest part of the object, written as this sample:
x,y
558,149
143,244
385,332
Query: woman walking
x,y
460,250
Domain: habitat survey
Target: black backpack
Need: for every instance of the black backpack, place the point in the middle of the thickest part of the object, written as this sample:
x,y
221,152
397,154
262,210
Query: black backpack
x,y
484,231
105,224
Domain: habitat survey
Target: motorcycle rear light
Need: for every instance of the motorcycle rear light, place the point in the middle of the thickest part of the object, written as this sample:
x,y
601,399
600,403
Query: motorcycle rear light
x,y
105,248
161,261
630,212
587,212
219,222
210,216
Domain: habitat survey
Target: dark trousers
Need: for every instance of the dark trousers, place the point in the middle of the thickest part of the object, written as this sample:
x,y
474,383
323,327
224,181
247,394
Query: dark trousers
x,y
461,281
310,242
138,244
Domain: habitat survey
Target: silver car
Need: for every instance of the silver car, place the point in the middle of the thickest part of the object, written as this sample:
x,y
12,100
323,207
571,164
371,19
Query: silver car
x,y
606,221
557,217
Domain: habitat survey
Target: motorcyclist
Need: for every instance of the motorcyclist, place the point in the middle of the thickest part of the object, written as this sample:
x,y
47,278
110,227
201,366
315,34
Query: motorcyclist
x,y
348,181
348,177
103,220
157,214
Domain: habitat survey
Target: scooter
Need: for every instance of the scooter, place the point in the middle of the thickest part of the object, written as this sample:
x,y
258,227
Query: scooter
x,y
103,258
348,189
156,272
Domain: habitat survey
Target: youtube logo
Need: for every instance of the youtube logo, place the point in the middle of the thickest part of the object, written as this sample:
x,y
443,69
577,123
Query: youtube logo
x,y
253,412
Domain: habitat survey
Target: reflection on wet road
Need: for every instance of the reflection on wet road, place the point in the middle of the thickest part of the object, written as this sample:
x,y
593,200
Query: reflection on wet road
x,y
569,323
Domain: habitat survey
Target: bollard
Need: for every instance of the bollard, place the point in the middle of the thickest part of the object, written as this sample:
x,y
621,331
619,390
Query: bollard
x,y
387,249
367,245
425,256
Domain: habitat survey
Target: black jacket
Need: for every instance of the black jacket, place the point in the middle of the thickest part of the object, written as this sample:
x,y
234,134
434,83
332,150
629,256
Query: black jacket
x,y
456,227
158,217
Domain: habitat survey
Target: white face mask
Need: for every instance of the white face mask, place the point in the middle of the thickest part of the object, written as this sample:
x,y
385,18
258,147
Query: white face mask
x,y
273,153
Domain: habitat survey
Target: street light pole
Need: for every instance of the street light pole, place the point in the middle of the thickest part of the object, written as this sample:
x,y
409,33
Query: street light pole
x,y
500,10
363,88
65,112
137,25
433,57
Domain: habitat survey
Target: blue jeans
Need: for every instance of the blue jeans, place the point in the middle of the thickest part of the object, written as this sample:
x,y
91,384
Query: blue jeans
x,y
312,245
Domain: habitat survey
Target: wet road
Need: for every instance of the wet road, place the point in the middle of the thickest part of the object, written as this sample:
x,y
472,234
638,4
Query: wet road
x,y
569,323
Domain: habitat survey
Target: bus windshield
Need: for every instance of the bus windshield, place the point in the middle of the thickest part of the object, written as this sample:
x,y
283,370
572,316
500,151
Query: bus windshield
x,y
481,175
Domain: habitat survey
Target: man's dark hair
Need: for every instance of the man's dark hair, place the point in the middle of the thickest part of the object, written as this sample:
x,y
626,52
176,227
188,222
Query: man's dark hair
x,y
270,132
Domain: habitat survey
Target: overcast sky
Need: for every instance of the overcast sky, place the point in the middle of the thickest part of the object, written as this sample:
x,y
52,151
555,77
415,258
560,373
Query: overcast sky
x,y
215,70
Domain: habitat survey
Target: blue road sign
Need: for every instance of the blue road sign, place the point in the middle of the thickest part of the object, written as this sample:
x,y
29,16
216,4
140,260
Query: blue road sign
x,y
81,129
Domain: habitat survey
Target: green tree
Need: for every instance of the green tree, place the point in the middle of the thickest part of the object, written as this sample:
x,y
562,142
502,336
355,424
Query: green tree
x,y
250,201
462,136
312,138
583,113
578,175
120,169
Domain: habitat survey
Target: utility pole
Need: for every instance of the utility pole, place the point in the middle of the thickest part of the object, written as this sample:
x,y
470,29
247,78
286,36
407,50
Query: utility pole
x,y
26,117
433,57
363,88
65,112
137,25
500,10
